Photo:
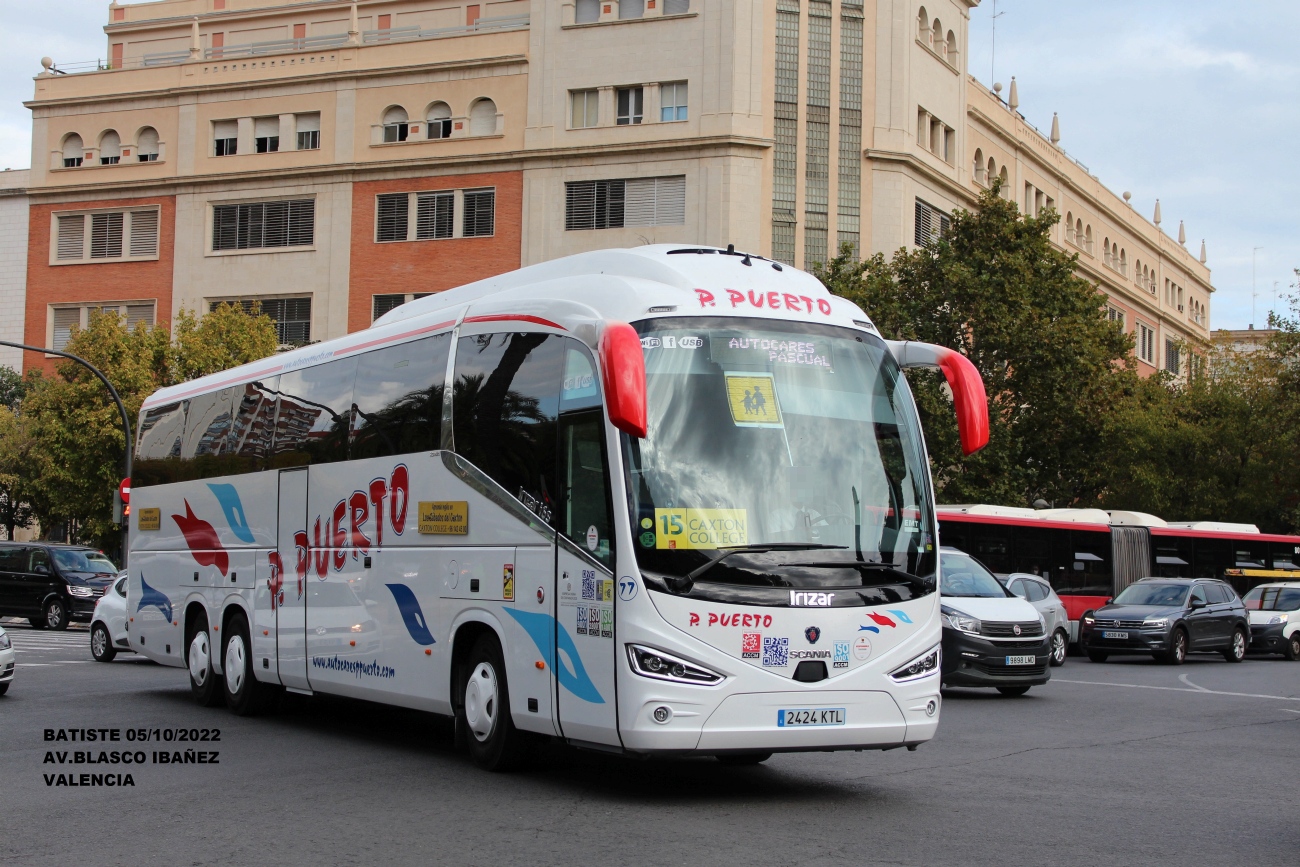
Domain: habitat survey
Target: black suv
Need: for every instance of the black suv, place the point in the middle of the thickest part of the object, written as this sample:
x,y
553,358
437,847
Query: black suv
x,y
51,584
1169,618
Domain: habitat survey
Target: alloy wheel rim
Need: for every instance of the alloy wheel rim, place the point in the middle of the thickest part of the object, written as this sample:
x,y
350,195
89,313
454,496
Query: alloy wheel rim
x,y
235,664
1180,646
1058,647
199,658
481,701
98,641
1238,645
54,617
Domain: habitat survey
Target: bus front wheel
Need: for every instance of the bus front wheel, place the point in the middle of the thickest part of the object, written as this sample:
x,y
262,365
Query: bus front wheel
x,y
483,712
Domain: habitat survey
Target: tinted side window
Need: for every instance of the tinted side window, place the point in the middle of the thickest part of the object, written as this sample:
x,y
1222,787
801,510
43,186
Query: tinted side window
x,y
39,557
13,559
1037,592
1018,588
158,445
1198,592
399,399
253,406
506,398
208,422
1215,594
314,415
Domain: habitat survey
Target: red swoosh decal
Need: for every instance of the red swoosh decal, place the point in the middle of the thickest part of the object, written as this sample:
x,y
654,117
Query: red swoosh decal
x,y
881,619
205,546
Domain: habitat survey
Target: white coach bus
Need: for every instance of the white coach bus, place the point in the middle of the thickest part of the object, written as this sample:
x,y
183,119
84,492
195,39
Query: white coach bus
x,y
711,530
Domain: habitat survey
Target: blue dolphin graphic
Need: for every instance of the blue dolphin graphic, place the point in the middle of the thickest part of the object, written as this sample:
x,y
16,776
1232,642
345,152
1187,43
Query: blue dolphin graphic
x,y
412,616
540,628
153,597
875,629
228,497
899,614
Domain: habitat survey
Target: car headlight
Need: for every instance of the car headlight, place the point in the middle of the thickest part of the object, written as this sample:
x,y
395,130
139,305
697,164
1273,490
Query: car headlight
x,y
925,664
960,620
1277,618
1088,619
80,591
5,643
648,662
1160,623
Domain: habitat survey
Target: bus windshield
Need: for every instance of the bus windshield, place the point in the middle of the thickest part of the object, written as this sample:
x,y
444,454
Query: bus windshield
x,y
1273,599
784,443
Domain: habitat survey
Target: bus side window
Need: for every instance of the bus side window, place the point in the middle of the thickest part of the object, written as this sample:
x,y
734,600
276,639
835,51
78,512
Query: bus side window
x,y
207,435
586,518
504,407
254,409
314,416
398,399
158,446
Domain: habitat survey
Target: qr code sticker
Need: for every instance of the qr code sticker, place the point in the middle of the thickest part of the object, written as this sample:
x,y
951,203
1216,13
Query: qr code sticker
x,y
776,652
588,585
749,645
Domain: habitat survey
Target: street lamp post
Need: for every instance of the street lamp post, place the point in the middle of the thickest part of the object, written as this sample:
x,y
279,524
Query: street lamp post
x,y
121,408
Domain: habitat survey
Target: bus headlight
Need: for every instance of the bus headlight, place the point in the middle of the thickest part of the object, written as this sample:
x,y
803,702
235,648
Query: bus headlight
x,y
648,662
960,620
925,664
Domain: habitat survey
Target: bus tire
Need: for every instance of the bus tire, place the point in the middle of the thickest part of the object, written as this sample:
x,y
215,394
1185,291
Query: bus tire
x,y
198,659
1098,656
483,719
245,694
1236,651
1177,653
1013,690
1292,649
1059,647
740,760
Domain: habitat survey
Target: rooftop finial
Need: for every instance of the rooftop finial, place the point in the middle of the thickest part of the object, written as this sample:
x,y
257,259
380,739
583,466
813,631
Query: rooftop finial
x,y
1056,130
1157,217
1202,251
1182,233
1127,196
1013,99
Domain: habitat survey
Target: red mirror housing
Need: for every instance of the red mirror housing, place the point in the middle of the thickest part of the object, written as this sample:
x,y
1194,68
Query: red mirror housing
x,y
622,367
969,399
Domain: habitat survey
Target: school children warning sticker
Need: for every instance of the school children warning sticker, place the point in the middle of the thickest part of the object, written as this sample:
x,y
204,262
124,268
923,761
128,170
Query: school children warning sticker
x,y
693,529
752,397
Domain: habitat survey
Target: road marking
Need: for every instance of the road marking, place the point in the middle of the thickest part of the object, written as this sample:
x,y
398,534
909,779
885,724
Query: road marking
x,y
1183,678
1198,689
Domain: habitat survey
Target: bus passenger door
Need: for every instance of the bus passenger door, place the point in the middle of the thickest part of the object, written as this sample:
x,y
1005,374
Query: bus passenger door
x,y
586,647
291,622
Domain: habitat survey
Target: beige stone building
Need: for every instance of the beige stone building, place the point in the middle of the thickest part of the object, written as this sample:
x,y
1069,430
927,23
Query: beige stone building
x,y
332,158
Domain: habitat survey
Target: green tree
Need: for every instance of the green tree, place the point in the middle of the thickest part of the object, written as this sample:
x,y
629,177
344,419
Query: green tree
x,y
16,455
12,388
994,288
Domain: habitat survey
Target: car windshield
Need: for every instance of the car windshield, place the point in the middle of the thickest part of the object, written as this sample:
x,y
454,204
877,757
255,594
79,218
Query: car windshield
x,y
962,575
1273,599
73,560
1152,594
777,436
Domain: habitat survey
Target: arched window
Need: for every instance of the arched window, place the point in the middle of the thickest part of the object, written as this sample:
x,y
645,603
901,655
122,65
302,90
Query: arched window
x,y
923,25
631,8
146,145
936,36
1068,226
1087,238
439,118
395,125
952,48
483,118
1078,231
587,11
1006,187
110,148
1105,251
1123,262
73,151
979,166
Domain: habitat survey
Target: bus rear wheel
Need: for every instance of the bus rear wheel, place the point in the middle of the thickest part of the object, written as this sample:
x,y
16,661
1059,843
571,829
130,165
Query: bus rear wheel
x,y
198,659
483,713
245,694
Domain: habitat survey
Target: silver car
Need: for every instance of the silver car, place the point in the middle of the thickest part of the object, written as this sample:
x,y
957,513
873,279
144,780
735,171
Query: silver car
x,y
1040,594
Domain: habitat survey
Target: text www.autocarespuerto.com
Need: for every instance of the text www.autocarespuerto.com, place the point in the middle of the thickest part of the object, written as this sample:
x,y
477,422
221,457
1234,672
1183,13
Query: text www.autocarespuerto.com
x,y
349,666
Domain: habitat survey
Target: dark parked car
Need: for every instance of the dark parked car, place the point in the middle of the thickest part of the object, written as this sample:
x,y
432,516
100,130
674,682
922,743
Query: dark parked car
x,y
1169,618
52,585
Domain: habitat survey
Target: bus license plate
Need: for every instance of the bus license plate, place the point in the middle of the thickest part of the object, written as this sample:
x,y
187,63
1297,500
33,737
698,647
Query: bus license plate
x,y
810,716
1119,635
1020,660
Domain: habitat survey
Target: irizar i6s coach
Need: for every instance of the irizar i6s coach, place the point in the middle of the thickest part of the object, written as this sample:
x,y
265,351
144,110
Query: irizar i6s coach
x,y
662,500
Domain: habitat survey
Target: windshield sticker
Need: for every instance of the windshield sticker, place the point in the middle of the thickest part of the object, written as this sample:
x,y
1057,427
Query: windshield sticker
x,y
694,529
671,341
753,402
772,351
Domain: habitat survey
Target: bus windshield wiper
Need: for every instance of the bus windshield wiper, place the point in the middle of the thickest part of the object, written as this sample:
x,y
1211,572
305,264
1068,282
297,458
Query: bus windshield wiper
x,y
915,581
683,584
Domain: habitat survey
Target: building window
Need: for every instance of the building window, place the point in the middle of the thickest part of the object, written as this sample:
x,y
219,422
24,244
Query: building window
x,y
931,224
106,236
629,105
146,145
110,149
586,109
672,102
263,225
439,120
308,128
225,134
292,316
613,204
1146,344
384,303
1172,356
266,135
73,151
935,136
396,127
435,215
631,8
676,7
479,219
587,12
65,319
1114,314
483,117
391,217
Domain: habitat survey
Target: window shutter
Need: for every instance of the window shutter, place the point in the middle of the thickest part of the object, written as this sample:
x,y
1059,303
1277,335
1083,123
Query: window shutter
x,y
483,118
385,303
137,313
65,319
302,227
391,217
479,218
921,236
225,220
266,126
670,204
587,11
147,143
639,206
72,237
106,236
226,129
677,7
435,215
144,233
580,205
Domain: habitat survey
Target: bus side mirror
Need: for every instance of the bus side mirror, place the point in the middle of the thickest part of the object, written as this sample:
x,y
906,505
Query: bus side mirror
x,y
622,368
968,397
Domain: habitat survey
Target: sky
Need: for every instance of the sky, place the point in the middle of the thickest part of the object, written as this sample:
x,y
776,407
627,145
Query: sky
x,y
1193,102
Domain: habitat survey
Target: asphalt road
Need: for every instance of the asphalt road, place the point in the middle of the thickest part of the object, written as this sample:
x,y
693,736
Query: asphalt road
x,y
1110,764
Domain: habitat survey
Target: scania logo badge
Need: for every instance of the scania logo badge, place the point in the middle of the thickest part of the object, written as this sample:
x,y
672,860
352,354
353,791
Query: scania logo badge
x,y
812,633
1016,629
